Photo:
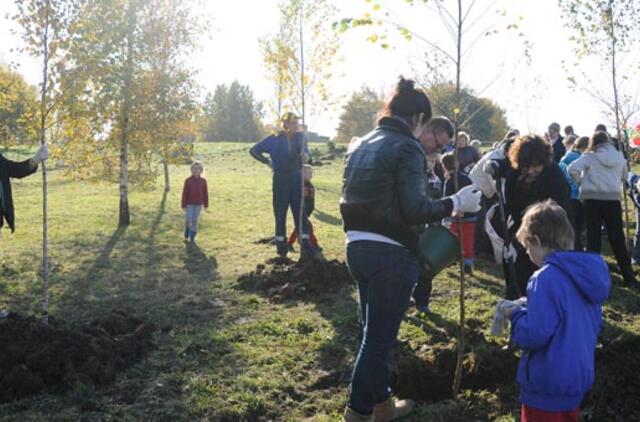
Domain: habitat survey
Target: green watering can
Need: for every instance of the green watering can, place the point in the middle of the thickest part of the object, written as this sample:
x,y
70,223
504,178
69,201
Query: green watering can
x,y
439,248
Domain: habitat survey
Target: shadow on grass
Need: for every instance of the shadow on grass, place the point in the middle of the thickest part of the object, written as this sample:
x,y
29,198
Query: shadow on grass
x,y
327,218
144,271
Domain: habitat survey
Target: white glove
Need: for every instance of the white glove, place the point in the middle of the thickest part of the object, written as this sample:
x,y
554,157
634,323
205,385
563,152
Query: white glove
x,y
467,200
490,167
41,155
510,253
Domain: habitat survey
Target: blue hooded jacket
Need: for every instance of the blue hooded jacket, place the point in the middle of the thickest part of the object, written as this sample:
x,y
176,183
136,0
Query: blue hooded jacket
x,y
559,328
569,158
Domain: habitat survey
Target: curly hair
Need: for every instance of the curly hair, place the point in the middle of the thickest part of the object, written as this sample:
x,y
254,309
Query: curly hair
x,y
530,150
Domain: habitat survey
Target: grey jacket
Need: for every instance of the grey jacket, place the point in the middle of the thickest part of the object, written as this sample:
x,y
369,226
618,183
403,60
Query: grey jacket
x,y
600,173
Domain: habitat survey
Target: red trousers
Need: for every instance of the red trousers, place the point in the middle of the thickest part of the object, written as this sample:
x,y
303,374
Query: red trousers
x,y
312,237
468,232
529,414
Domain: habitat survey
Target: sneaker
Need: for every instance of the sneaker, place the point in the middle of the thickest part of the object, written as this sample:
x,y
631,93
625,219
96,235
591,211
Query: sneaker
x,y
468,269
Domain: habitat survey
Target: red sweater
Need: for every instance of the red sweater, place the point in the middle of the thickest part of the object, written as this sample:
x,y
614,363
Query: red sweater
x,y
195,192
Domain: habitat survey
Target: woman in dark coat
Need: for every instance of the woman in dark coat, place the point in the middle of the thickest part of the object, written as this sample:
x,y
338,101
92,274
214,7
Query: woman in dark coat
x,y
532,176
384,200
15,170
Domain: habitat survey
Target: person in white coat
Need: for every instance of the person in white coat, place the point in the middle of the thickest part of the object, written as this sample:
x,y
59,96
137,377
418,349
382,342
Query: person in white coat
x,y
600,173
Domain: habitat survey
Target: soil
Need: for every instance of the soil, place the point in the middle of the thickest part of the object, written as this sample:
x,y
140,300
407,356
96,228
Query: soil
x,y
427,375
615,395
36,357
282,279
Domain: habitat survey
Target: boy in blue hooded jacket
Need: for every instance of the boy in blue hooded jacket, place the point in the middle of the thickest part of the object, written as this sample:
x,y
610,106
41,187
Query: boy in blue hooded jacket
x,y
559,327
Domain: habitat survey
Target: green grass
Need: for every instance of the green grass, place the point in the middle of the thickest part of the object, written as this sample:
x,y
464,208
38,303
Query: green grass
x,y
222,353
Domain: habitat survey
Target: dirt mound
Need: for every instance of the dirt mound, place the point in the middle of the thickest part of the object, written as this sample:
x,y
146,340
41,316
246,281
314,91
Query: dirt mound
x,y
615,394
37,357
428,375
283,279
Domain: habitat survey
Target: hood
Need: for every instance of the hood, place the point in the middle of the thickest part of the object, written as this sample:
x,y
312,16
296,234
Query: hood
x,y
588,273
608,156
570,157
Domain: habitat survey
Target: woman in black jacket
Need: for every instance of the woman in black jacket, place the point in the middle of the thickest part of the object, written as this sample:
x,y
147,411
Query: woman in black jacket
x,y
532,176
384,198
15,170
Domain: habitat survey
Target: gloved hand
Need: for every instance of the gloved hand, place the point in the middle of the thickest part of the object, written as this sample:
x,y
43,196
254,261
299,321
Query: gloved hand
x,y
632,179
508,307
491,167
510,253
41,155
467,200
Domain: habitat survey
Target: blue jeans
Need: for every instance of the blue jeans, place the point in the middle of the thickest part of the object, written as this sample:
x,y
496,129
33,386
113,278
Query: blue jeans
x,y
287,193
386,275
191,217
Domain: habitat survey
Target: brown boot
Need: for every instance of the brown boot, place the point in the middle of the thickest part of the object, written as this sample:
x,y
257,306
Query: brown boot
x,y
392,409
351,415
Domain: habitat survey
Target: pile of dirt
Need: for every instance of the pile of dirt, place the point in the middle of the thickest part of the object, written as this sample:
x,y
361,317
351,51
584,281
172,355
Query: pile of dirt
x,y
283,279
428,375
615,394
35,357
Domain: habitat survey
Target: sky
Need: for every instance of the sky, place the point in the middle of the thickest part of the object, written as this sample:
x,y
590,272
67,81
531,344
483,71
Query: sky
x,y
533,94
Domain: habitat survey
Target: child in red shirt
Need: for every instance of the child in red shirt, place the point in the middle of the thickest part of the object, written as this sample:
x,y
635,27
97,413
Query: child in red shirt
x,y
195,195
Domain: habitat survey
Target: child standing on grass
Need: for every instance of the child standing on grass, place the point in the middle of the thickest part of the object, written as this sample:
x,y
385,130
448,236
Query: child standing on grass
x,y
558,329
467,223
309,206
195,195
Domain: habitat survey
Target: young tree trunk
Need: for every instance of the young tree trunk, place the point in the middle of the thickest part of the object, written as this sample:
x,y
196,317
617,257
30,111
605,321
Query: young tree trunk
x,y
167,186
124,218
616,105
45,214
457,379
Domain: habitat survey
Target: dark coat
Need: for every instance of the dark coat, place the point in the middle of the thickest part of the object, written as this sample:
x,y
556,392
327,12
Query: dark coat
x,y
385,188
551,184
8,170
558,150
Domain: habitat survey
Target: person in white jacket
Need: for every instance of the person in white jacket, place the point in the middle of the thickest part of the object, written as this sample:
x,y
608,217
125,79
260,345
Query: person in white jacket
x,y
600,173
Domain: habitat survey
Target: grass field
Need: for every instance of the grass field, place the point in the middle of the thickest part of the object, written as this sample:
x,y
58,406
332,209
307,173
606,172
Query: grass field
x,y
223,354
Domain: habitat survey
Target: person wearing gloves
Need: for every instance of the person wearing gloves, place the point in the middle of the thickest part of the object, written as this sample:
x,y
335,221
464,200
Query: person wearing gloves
x,y
383,204
530,176
286,151
558,329
600,173
15,170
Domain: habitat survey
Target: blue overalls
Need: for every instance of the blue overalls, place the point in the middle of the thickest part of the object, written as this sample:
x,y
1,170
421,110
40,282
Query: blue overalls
x,y
286,162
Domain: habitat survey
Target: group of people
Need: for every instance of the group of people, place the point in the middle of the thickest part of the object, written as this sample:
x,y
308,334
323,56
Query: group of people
x,y
396,182
410,172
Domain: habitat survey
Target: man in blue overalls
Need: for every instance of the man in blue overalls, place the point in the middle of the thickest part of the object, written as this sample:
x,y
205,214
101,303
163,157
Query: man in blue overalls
x,y
286,152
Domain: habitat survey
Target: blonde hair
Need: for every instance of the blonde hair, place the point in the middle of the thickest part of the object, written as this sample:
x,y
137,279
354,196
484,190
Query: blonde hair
x,y
549,223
